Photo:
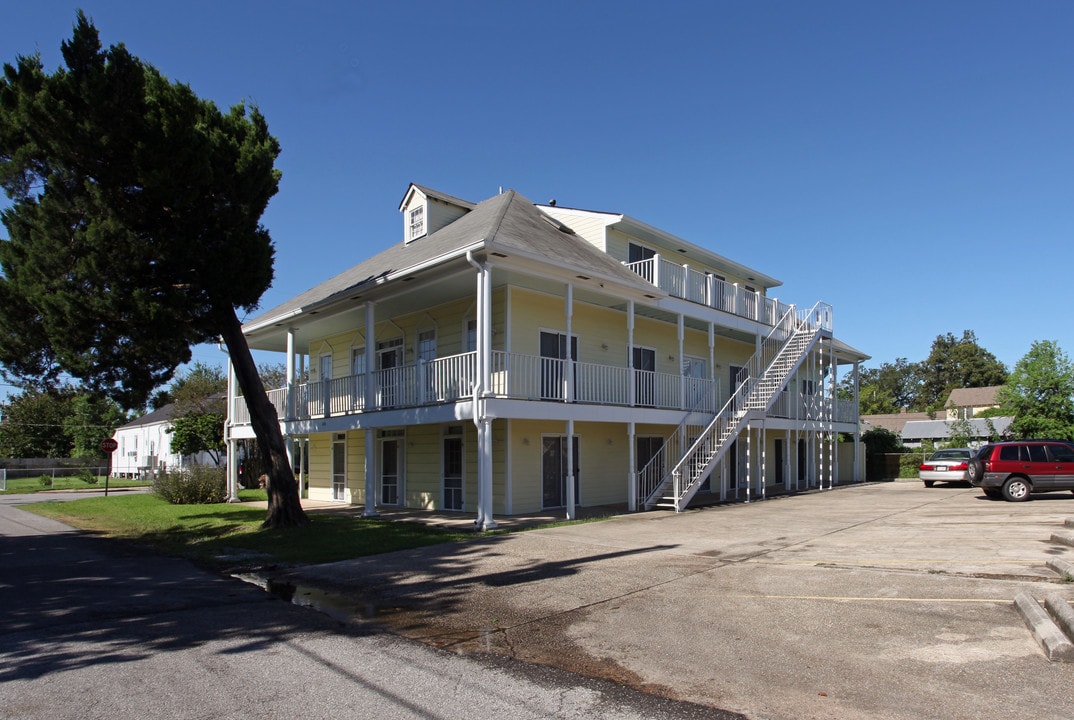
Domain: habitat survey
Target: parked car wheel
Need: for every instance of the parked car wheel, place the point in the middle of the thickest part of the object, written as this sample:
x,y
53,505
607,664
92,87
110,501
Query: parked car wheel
x,y
974,470
1016,489
929,483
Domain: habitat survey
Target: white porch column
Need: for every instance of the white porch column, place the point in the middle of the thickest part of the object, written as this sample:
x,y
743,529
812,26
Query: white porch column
x,y
632,478
571,499
763,480
859,476
370,509
749,474
232,445
483,423
232,470
568,368
290,383
682,377
632,389
712,368
370,393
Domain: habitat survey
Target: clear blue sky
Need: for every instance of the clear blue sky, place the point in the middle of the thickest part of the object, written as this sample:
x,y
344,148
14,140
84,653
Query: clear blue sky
x,y
910,162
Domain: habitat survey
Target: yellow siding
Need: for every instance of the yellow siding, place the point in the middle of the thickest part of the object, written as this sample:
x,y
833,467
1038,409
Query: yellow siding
x,y
446,320
320,479
603,462
356,466
424,447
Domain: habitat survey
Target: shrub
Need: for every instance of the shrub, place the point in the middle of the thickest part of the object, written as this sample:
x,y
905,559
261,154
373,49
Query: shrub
x,y
87,477
195,485
45,480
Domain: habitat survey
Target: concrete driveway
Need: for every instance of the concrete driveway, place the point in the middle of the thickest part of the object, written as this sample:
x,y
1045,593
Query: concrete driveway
x,y
884,600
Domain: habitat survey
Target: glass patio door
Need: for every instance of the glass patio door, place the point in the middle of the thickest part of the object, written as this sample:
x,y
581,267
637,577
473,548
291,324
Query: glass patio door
x,y
553,353
554,471
644,376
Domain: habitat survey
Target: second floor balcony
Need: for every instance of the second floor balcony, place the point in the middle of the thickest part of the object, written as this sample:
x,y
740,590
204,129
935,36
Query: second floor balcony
x,y
520,377
703,288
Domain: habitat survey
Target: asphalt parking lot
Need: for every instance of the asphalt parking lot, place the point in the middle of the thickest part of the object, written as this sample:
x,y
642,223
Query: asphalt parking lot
x,y
882,600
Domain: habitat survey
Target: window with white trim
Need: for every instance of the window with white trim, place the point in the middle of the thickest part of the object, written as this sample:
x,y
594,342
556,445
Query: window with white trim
x,y
417,222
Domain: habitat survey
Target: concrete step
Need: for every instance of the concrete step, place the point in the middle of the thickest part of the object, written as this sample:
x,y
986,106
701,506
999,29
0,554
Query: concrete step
x,y
1056,645
1069,522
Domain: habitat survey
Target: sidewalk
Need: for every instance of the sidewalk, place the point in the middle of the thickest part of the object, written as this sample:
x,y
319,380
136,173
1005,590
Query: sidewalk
x,y
871,601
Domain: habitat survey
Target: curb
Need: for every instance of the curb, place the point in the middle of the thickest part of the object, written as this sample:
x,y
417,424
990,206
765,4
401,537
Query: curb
x,y
1063,568
1056,645
1061,612
1063,538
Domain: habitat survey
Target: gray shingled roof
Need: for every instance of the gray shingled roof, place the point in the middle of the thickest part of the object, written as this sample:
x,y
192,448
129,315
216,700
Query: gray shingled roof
x,y
921,429
164,413
507,221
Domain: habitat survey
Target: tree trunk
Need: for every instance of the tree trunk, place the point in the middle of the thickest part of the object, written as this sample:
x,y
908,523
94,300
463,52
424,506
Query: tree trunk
x,y
284,507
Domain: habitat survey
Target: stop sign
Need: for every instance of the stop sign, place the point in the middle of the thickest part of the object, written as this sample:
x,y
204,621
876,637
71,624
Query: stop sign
x,y
109,445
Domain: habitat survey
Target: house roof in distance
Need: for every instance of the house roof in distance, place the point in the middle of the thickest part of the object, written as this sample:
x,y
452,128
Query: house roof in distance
x,y
936,429
163,414
973,397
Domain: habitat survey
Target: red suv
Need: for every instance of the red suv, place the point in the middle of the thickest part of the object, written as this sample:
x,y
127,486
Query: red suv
x,y
1015,470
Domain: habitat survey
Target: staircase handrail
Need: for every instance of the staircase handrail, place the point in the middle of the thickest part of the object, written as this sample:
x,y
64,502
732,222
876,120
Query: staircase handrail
x,y
644,494
818,317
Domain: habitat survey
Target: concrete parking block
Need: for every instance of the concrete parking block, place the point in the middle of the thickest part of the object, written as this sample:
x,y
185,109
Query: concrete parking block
x,y
1063,538
1055,644
1063,568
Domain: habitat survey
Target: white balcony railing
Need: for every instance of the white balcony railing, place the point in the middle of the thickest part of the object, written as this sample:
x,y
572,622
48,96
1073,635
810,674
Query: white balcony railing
x,y
703,288
512,375
525,377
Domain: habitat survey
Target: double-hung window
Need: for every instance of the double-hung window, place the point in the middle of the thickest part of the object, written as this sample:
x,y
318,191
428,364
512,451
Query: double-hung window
x,y
417,222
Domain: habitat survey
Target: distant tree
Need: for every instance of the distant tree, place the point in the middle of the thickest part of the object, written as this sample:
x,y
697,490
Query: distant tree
x,y
57,423
159,399
134,232
273,375
198,420
960,433
92,419
201,389
198,432
1040,394
955,363
33,424
881,440
888,389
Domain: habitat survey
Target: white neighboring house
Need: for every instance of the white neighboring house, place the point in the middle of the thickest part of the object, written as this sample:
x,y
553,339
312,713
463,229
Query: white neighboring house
x,y
145,447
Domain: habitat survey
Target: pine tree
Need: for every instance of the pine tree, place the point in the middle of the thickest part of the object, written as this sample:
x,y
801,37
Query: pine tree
x,y
135,232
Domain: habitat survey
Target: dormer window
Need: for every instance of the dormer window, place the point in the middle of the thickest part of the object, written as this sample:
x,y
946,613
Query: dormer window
x,y
417,223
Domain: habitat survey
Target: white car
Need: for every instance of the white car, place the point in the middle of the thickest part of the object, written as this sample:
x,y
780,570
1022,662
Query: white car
x,y
947,465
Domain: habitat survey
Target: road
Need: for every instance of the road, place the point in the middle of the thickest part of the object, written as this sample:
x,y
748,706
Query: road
x,y
92,628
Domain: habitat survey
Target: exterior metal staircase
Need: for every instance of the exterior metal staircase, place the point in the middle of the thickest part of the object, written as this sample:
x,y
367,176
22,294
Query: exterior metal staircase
x,y
758,386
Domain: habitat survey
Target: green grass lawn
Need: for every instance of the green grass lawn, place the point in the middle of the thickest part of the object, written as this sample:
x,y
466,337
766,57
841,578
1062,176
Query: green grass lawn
x,y
21,486
222,535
